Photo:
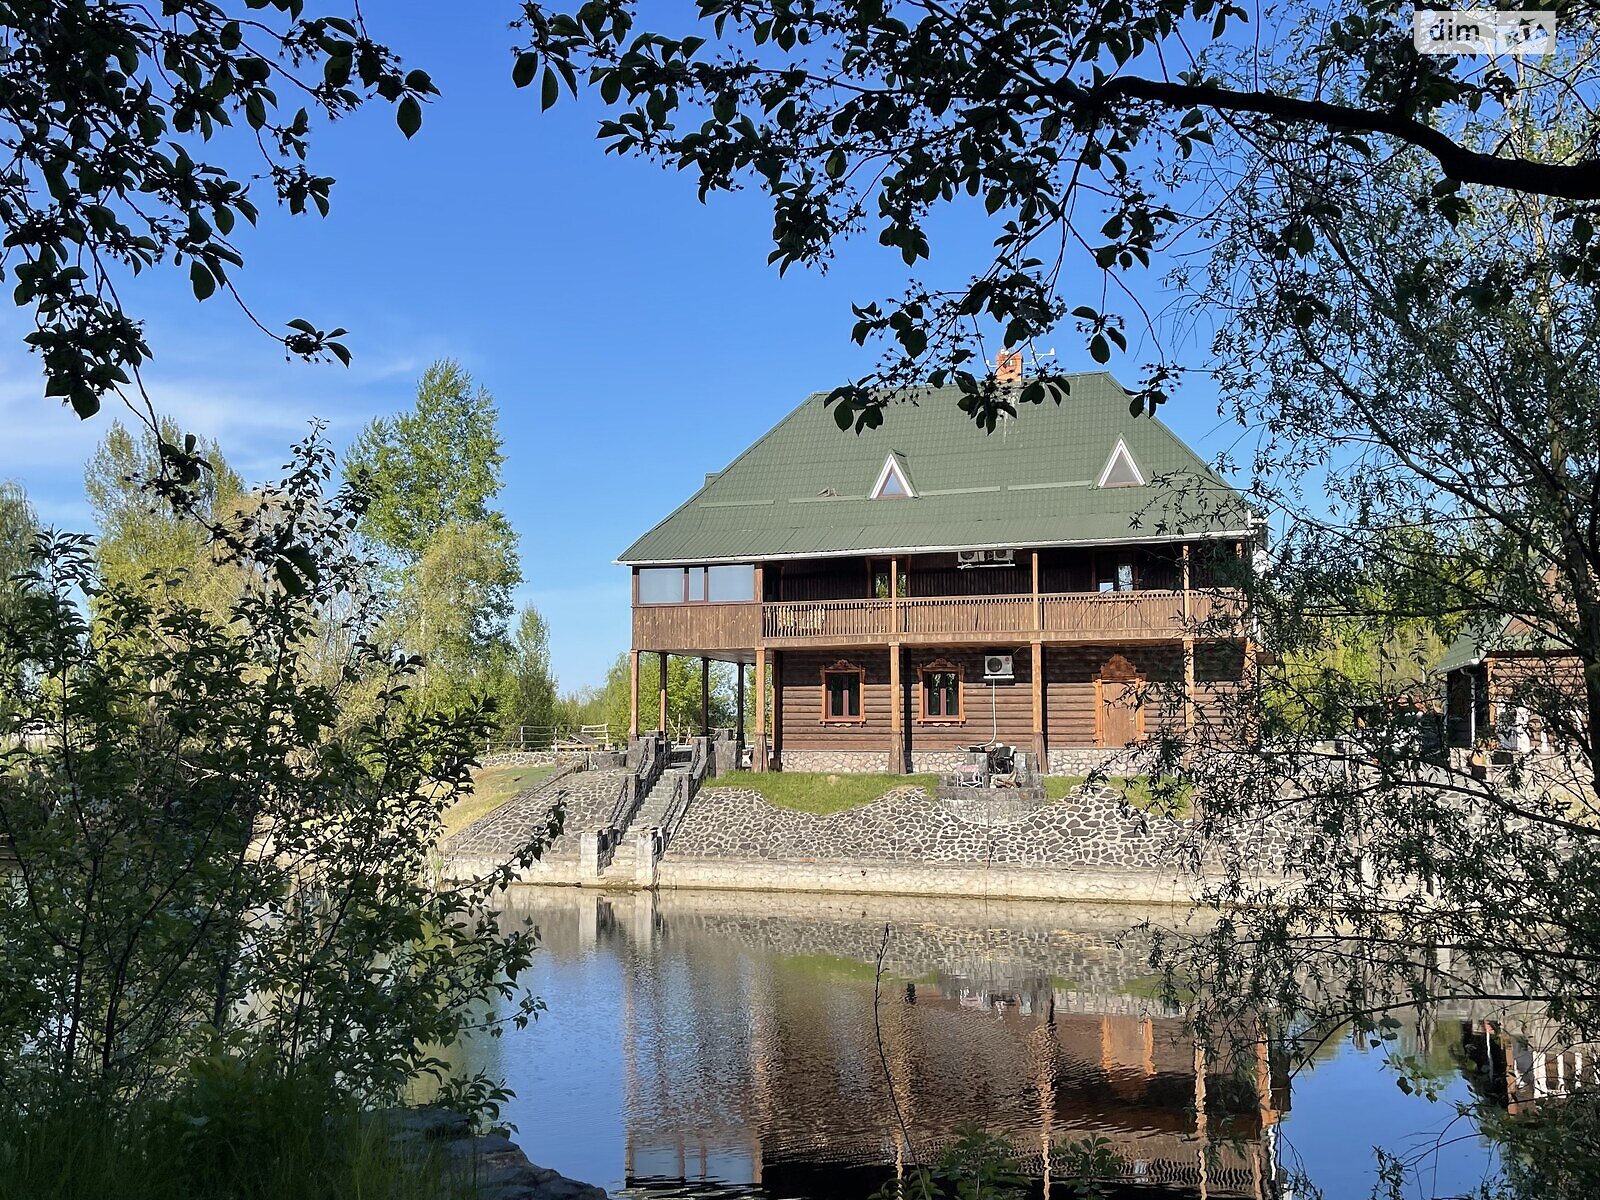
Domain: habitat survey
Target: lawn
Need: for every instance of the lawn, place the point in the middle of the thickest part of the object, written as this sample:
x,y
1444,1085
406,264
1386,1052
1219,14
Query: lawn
x,y
1135,790
818,792
491,787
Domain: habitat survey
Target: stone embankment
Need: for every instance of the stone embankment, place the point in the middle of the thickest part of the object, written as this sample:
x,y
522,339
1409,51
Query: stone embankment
x,y
491,1166
1088,846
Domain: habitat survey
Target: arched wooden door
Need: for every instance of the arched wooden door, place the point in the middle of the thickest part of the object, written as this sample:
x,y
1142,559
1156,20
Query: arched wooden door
x,y
1119,716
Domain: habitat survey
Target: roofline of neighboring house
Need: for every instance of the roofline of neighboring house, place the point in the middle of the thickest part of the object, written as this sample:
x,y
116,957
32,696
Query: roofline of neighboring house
x,y
1160,539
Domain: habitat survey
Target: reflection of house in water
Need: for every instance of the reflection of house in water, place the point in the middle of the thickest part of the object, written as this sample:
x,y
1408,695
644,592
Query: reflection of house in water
x,y
752,1055
1520,1063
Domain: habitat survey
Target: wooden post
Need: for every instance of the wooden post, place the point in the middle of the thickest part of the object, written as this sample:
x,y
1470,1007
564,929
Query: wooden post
x,y
661,662
777,709
894,600
758,759
705,697
897,711
1038,604
1041,749
633,694
1188,650
738,713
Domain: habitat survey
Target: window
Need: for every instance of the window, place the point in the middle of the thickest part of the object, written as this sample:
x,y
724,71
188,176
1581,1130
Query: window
x,y
661,585
893,483
1120,469
841,694
697,585
731,584
941,692
1115,575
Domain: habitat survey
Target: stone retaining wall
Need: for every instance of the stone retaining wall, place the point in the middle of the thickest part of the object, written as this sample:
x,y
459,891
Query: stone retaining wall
x,y
587,797
847,762
490,1164
524,758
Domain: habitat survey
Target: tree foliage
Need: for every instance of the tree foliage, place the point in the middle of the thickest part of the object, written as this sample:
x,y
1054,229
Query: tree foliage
x,y
110,112
1427,436
210,855
140,533
1064,122
683,695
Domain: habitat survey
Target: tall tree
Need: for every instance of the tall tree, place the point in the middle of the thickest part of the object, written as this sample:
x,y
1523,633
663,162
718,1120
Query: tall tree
x,y
528,695
683,695
434,466
107,111
140,533
432,475
1063,120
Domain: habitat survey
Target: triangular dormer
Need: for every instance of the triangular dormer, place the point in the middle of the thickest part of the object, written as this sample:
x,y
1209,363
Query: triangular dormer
x,y
894,481
1120,469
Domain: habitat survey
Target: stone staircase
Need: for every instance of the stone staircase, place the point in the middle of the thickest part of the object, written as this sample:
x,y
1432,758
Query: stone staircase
x,y
624,857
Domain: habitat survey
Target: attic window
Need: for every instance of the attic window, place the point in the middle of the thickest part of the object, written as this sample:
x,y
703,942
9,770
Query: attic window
x,y
1120,469
893,483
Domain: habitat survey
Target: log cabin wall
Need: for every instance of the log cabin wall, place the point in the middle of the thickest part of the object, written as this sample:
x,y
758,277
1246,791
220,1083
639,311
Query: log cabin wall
x,y
1071,698
1013,700
818,579
803,728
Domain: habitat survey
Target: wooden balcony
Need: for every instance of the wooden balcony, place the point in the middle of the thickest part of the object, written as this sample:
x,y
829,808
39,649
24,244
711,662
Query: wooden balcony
x,y
1055,617
1060,617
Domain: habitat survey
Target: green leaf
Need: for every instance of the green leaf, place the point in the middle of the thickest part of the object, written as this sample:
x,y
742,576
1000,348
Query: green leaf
x,y
203,282
550,90
527,66
1099,350
836,164
409,116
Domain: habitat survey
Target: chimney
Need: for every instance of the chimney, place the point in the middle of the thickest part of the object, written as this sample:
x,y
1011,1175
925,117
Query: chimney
x,y
1008,367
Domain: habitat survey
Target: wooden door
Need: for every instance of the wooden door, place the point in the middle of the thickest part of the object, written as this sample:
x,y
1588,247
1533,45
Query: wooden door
x,y
1120,717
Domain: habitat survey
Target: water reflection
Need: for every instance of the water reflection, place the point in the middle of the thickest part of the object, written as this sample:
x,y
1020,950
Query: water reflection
x,y
727,1043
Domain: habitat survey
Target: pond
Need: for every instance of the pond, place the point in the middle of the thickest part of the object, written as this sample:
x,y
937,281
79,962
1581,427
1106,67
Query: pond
x,y
702,1045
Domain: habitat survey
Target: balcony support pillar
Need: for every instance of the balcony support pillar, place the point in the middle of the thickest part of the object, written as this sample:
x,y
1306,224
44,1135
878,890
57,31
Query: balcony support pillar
x,y
758,758
661,662
705,697
1041,748
897,713
777,709
738,715
1188,685
633,695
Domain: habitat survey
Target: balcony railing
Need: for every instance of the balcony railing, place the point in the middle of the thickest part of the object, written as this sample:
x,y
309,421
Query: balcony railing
x,y
1075,616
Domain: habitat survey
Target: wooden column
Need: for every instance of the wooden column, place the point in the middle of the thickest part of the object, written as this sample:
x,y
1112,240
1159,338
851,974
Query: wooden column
x,y
705,697
738,713
897,713
661,662
1188,649
1038,604
758,759
777,709
633,694
1041,749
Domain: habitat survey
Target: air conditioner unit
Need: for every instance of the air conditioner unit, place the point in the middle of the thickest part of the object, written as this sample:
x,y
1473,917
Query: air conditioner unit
x,y
997,667
985,558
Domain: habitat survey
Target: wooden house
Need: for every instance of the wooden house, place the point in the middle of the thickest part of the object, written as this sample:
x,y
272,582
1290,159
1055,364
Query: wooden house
x,y
904,593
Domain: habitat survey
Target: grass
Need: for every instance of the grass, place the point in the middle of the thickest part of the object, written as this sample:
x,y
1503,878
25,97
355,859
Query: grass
x,y
491,787
817,792
1135,790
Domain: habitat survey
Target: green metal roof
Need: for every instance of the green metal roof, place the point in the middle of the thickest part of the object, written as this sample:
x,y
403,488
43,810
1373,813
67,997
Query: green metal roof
x,y
802,490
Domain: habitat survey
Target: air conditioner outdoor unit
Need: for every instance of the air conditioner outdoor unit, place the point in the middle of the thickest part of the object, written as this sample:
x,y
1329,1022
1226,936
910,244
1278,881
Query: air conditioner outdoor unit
x,y
985,558
997,666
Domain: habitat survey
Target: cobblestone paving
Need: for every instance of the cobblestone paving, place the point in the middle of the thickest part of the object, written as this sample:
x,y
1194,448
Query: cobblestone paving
x,y
1092,828
588,796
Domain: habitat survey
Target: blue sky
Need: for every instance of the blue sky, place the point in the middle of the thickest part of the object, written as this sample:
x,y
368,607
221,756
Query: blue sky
x,y
633,338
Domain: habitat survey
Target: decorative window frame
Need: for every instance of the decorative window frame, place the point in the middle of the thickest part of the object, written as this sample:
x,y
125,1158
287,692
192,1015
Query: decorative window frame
x,y
942,666
1119,451
893,466
843,667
